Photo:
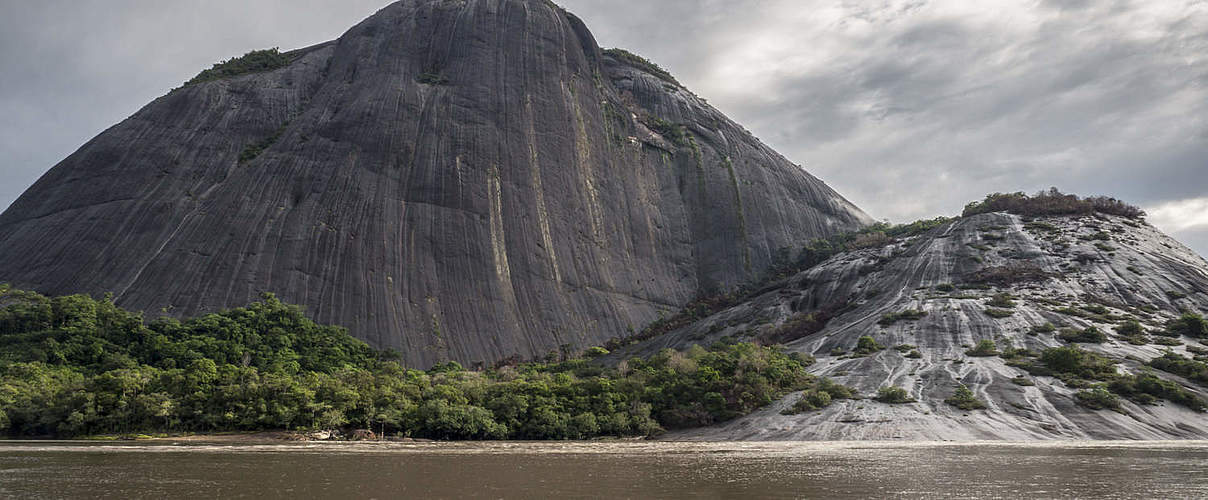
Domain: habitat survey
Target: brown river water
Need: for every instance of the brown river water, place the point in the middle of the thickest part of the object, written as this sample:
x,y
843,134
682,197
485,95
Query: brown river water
x,y
624,469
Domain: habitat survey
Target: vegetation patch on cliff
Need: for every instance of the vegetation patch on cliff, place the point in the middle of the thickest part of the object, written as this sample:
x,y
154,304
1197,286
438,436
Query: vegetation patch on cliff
x,y
252,62
253,150
1102,384
819,396
964,399
641,63
894,395
907,315
1051,202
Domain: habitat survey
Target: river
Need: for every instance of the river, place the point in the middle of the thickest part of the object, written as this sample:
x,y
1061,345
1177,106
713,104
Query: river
x,y
607,469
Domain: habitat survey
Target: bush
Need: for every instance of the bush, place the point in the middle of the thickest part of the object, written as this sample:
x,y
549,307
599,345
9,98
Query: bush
x,y
811,400
1076,362
1010,353
867,345
964,399
912,229
1132,332
836,390
1023,381
1145,388
894,395
1042,226
1172,362
1130,328
1189,324
1089,335
998,313
1001,300
1098,398
1045,328
823,392
252,62
595,352
984,348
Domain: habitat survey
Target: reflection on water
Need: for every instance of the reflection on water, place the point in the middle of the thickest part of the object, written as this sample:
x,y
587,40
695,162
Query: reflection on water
x,y
603,469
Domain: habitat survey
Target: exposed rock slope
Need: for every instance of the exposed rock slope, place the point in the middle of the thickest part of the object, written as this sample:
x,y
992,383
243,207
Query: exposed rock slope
x,y
1049,265
453,179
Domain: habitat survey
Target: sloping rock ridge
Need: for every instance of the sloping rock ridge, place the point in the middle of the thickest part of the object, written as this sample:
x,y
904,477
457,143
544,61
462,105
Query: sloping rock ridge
x,y
464,180
1063,275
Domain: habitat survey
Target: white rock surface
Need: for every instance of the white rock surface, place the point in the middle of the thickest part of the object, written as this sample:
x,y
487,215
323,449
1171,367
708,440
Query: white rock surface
x,y
1139,273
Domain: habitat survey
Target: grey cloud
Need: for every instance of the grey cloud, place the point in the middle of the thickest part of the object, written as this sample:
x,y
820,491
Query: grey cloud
x,y
1197,239
1067,4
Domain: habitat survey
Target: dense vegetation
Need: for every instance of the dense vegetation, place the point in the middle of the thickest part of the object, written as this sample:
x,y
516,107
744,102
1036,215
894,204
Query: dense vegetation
x,y
1191,369
907,315
866,346
984,348
1102,384
75,366
1189,324
1051,202
819,396
252,62
1088,335
964,399
893,395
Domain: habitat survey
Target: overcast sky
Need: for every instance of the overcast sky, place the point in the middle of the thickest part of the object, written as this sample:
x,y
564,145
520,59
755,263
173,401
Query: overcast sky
x,y
909,108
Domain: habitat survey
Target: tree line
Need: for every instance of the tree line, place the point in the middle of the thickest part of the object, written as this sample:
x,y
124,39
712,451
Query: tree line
x,y
74,365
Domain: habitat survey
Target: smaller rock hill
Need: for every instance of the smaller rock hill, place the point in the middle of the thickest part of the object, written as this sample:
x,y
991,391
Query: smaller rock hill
x,y
1051,322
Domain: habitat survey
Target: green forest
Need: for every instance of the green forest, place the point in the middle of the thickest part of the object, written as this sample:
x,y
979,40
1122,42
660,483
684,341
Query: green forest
x,y
76,366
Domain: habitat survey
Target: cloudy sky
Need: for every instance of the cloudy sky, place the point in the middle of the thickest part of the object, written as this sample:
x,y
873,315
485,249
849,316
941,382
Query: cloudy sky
x,y
910,108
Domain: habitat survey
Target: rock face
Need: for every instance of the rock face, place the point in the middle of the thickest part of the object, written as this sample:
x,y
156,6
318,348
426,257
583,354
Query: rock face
x,y
1049,265
460,180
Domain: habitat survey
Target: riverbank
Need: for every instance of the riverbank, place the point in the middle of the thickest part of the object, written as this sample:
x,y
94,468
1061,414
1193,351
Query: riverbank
x,y
251,437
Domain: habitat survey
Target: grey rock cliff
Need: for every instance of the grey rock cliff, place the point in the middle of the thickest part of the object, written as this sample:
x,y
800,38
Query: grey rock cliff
x,y
462,180
1139,272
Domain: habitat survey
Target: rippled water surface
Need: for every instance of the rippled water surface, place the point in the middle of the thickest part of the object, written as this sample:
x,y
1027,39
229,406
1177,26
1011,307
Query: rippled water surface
x,y
603,469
